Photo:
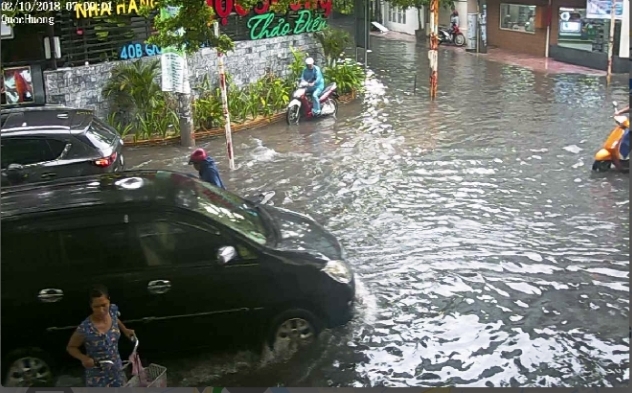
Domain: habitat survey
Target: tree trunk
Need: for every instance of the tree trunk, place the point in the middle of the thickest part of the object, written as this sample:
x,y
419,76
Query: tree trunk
x,y
185,109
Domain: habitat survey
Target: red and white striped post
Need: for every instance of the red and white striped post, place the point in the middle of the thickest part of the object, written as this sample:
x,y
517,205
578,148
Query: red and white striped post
x,y
433,50
222,87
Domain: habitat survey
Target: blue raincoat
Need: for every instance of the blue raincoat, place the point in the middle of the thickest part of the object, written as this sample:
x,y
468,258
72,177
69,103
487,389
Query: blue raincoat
x,y
316,76
210,174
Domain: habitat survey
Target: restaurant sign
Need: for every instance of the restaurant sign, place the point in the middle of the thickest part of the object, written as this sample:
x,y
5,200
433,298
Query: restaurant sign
x,y
265,25
93,9
311,17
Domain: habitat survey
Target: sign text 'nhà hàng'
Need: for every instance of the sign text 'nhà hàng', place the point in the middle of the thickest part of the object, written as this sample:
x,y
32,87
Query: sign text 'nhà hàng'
x,y
93,9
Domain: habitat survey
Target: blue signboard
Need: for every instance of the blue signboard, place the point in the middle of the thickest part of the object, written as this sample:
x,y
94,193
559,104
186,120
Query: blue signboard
x,y
136,50
600,9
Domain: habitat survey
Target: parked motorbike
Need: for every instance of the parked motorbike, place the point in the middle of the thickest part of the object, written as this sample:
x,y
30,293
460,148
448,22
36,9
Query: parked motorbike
x,y
454,37
301,105
603,159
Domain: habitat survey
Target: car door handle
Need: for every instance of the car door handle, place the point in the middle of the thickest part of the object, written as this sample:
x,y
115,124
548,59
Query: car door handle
x,y
158,287
48,175
50,295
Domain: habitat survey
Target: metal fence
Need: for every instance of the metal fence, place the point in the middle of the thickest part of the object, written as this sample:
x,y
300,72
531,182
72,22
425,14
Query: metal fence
x,y
97,40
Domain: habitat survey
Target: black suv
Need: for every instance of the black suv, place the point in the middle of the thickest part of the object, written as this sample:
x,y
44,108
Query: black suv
x,y
43,143
187,263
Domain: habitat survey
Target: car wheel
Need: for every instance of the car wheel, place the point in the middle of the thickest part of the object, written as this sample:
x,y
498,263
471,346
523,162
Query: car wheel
x,y
27,368
293,329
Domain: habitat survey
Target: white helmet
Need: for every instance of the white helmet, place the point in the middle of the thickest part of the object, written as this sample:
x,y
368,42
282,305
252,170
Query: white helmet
x,y
309,61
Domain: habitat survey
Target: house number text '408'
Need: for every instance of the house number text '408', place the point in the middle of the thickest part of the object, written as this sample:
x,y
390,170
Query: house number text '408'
x,y
137,50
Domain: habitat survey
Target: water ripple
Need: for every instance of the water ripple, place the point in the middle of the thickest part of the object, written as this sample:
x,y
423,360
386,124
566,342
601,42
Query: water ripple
x,y
487,252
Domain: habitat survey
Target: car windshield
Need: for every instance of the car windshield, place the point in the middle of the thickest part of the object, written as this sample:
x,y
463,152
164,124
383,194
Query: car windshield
x,y
231,211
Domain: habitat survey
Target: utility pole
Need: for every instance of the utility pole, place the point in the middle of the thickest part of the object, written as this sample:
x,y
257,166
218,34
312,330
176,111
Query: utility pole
x,y
433,52
222,86
611,41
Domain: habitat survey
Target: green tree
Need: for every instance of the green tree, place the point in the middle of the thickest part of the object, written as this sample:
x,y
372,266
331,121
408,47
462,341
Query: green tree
x,y
194,19
188,30
343,6
405,4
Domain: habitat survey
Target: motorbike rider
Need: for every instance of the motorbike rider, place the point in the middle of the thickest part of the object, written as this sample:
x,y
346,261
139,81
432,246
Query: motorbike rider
x,y
454,20
206,167
624,144
314,77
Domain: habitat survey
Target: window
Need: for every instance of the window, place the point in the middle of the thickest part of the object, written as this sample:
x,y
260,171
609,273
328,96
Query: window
x,y
396,15
27,151
165,243
518,18
578,32
102,249
230,211
100,136
29,252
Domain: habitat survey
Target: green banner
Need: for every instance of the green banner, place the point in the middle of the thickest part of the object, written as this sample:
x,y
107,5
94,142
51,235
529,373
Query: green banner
x,y
270,25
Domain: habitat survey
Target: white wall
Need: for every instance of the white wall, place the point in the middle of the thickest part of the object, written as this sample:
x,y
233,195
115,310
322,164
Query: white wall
x,y
624,46
463,7
394,21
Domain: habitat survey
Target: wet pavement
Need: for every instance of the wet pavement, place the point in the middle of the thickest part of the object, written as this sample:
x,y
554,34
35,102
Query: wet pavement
x,y
487,252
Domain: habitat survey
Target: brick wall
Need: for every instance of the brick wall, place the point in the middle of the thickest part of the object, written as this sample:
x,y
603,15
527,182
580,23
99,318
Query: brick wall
x,y
530,44
81,87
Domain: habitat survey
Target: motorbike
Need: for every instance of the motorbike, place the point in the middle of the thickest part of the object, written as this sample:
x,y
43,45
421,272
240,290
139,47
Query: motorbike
x,y
603,159
455,36
301,104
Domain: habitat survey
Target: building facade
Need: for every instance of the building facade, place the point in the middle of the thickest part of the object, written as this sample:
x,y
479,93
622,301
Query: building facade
x,y
402,21
412,19
571,31
91,43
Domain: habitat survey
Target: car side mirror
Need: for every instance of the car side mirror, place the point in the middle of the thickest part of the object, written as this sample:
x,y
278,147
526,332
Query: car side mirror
x,y
15,168
226,254
15,174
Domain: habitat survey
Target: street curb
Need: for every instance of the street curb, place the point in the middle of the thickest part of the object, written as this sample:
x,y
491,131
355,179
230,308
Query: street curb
x,y
215,132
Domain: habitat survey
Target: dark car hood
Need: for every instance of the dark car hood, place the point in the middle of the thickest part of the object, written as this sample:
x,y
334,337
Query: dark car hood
x,y
301,233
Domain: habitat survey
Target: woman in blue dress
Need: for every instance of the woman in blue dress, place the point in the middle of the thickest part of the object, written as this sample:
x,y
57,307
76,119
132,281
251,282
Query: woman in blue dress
x,y
99,334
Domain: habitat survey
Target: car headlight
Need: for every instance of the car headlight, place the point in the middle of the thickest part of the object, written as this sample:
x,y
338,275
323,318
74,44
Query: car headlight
x,y
339,271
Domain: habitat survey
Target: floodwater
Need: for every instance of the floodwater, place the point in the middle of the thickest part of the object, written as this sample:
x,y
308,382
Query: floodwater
x,y
486,251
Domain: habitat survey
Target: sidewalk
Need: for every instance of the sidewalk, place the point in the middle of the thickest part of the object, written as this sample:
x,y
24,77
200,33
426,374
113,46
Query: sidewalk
x,y
537,64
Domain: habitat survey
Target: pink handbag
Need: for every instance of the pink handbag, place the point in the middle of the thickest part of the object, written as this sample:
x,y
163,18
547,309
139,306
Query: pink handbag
x,y
138,370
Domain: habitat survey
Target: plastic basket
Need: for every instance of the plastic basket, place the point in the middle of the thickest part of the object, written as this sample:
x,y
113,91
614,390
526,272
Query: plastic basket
x,y
156,378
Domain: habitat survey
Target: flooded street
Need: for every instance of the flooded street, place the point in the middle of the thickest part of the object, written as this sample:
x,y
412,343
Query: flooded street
x,y
487,253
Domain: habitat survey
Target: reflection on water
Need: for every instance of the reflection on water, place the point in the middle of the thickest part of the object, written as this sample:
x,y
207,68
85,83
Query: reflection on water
x,y
487,253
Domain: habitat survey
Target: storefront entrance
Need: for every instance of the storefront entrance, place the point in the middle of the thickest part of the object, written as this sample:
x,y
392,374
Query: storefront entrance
x,y
581,36
578,32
